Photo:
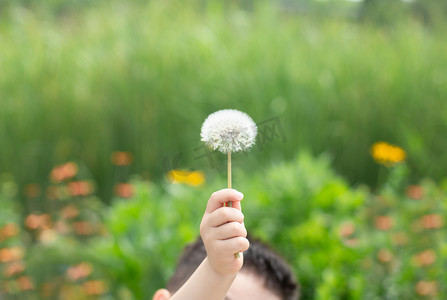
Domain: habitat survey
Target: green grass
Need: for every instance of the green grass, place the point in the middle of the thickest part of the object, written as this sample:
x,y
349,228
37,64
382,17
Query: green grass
x,y
143,77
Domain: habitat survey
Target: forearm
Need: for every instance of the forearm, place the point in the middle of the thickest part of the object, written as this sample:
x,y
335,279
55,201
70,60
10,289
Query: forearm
x,y
205,284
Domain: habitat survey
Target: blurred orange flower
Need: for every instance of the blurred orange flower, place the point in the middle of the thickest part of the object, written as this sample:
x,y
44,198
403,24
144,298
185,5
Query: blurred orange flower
x,y
95,287
69,212
427,288
80,271
387,154
11,254
385,255
415,192
8,230
34,221
347,229
14,268
83,228
121,158
192,178
383,223
25,283
432,221
80,188
124,190
424,258
64,171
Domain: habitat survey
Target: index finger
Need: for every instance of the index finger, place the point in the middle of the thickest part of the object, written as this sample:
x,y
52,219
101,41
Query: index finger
x,y
218,198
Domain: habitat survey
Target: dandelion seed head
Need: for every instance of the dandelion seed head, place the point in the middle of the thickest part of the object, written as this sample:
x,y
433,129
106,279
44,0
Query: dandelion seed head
x,y
229,130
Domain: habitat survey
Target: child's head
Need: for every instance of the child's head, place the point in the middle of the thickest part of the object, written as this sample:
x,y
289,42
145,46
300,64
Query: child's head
x,y
264,273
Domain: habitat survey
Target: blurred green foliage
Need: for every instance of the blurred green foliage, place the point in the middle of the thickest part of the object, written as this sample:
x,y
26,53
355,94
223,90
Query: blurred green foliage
x,y
82,80
342,242
142,77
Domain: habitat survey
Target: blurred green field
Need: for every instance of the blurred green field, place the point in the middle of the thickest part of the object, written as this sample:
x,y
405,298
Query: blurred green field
x,y
342,242
84,83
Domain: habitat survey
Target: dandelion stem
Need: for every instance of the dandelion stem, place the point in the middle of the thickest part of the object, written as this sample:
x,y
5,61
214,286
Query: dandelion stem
x,y
229,175
230,204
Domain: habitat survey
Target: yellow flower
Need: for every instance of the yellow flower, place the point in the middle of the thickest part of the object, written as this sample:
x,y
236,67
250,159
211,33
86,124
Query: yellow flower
x,y
389,155
192,178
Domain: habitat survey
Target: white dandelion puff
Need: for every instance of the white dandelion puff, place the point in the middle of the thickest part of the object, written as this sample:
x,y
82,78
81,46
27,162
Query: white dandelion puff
x,y
229,130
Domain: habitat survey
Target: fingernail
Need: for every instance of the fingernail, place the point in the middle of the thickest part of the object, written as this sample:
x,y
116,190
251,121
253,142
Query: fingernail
x,y
239,195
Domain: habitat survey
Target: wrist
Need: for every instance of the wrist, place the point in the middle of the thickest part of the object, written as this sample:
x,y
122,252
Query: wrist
x,y
205,283
218,275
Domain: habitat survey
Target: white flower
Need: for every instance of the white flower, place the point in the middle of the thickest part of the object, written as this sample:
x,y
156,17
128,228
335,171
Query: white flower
x,y
229,130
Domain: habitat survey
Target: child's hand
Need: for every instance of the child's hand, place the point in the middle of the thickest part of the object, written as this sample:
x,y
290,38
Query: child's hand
x,y
223,232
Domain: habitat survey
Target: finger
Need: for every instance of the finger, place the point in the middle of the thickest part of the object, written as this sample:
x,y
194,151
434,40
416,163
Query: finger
x,y
236,204
224,215
233,245
218,198
228,231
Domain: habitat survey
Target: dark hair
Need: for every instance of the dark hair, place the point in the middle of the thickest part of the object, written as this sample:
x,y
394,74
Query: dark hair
x,y
259,259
